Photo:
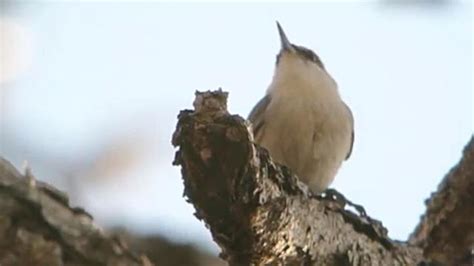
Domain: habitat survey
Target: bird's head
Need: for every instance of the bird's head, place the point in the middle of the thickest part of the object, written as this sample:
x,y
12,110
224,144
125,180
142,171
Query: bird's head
x,y
291,54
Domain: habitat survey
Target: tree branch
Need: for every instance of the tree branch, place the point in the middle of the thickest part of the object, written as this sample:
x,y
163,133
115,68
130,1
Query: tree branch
x,y
38,227
446,230
257,211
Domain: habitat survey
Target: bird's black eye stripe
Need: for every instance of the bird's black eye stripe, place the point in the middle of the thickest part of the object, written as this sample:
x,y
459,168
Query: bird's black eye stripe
x,y
309,55
306,54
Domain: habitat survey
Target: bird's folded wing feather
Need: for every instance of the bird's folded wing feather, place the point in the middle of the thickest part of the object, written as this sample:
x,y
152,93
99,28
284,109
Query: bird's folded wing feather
x,y
256,115
352,133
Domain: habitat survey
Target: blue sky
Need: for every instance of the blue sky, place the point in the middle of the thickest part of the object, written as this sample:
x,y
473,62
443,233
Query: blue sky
x,y
101,69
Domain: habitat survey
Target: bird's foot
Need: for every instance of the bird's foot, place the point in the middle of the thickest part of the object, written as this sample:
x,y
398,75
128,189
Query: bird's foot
x,y
341,200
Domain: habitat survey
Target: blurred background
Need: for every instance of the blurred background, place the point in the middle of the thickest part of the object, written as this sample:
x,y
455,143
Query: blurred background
x,y
90,92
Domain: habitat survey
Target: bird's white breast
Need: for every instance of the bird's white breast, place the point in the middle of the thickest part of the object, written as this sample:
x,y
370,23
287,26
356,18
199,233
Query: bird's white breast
x,y
307,126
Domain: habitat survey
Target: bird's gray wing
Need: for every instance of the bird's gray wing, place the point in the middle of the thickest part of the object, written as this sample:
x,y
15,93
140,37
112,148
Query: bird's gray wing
x,y
256,115
352,133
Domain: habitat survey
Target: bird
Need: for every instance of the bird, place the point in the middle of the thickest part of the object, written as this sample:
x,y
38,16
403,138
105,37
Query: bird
x,y
302,120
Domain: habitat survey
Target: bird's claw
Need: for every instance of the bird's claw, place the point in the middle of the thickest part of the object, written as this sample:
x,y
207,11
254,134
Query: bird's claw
x,y
342,200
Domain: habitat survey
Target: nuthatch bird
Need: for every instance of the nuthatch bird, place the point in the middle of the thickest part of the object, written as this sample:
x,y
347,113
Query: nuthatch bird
x,y
302,120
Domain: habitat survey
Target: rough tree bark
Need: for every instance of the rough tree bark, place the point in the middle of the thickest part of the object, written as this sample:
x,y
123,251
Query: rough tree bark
x,y
260,214
256,210
446,230
38,227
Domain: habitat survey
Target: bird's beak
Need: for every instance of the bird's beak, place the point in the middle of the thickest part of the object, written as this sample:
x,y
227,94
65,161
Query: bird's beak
x,y
285,43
